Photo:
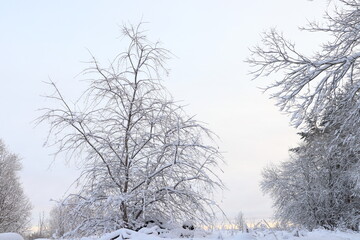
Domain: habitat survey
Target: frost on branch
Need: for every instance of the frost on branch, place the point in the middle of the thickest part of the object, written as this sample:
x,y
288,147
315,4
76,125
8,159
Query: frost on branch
x,y
306,83
143,156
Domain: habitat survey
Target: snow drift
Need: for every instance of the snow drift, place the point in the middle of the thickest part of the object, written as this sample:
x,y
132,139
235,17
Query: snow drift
x,y
10,236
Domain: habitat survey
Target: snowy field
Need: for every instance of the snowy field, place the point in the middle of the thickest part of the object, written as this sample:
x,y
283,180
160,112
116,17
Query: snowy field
x,y
265,234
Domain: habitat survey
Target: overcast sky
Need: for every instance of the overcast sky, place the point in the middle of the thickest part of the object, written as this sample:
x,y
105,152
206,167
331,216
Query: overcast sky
x,y
49,39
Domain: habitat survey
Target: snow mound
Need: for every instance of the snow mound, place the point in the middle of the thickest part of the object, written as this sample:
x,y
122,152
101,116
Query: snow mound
x,y
10,236
151,234
128,234
319,234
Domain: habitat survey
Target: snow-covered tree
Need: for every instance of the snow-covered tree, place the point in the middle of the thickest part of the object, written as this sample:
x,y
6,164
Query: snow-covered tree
x,y
240,222
61,220
142,156
319,185
15,207
316,188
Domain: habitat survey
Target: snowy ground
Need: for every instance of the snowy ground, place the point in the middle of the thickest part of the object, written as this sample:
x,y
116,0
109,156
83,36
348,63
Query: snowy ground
x,y
265,234
10,236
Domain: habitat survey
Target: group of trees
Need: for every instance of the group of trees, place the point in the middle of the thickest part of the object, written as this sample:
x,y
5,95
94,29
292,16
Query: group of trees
x,y
319,185
142,157
53,226
15,207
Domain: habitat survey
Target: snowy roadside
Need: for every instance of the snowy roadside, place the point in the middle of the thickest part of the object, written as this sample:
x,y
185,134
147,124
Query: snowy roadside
x,y
231,235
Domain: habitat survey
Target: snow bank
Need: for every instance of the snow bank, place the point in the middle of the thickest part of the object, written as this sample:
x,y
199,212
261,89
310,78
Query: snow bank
x,y
295,235
264,234
10,236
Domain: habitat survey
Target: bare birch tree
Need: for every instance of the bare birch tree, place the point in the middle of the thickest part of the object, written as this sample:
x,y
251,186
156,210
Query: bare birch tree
x,y
143,156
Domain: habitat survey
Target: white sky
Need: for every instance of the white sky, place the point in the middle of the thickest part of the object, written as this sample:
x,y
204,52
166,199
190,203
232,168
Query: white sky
x,y
42,39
